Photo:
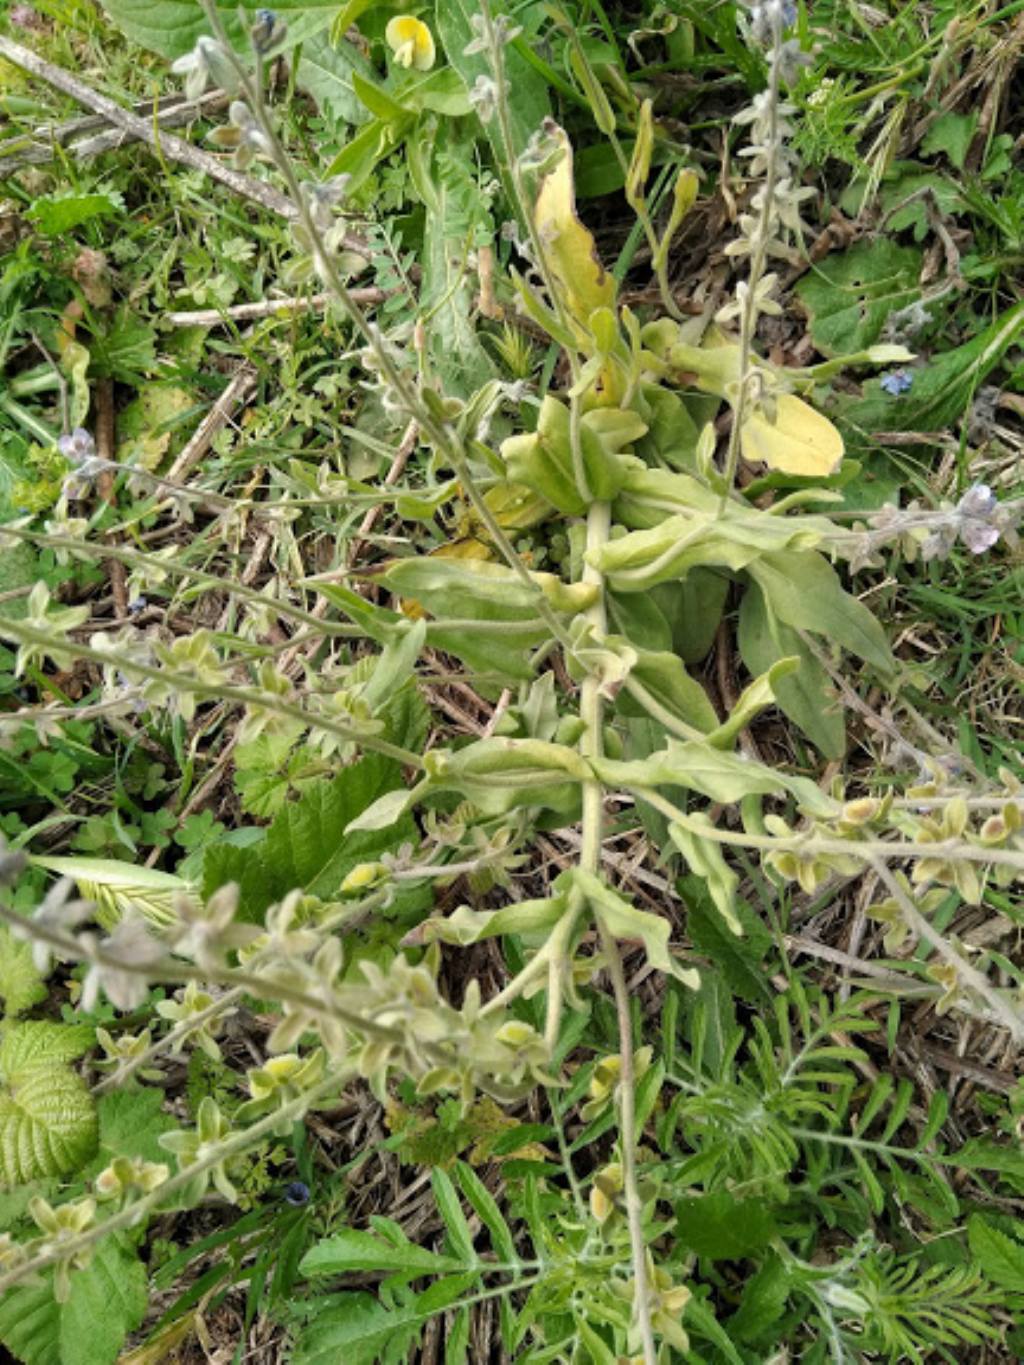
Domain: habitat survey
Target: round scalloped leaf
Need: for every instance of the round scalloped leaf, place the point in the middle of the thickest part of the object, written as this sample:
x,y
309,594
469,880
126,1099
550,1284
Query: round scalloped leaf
x,y
47,1124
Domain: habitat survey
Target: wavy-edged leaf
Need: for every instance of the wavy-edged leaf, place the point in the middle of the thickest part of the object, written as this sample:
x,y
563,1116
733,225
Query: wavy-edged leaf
x,y
570,252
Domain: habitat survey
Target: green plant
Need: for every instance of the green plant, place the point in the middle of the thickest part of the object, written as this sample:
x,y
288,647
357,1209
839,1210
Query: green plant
x,y
749,1182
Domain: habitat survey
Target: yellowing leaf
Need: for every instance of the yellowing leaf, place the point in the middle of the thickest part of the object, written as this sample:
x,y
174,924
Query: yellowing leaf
x,y
570,253
467,548
798,440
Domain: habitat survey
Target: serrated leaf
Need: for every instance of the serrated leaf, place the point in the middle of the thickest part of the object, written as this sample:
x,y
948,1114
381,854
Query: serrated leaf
x,y
359,1330
739,959
130,1124
451,1211
1000,1257
107,1301
721,1227
952,135
487,1210
54,214
307,846
849,296
47,1116
354,1250
21,986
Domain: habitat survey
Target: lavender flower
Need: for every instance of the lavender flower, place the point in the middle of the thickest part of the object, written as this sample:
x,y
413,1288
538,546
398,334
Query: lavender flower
x,y
978,525
897,382
79,449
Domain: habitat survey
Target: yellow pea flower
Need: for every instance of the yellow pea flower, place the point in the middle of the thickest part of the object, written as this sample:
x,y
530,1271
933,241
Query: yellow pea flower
x,y
411,42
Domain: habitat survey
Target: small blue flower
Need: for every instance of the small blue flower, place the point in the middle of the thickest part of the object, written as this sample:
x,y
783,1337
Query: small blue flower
x,y
899,381
297,1194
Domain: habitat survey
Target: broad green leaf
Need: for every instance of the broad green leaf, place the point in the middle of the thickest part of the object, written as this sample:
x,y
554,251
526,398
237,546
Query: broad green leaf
x,y
353,1250
664,678
130,1124
171,27
108,1300
394,666
307,845
802,695
19,567
762,692
804,592
47,1116
717,773
624,921
377,100
740,959
710,870
55,214
362,153
850,295
479,590
721,1227
1000,1257
527,92
951,135
357,1329
457,223
669,550
326,71
530,919
763,1302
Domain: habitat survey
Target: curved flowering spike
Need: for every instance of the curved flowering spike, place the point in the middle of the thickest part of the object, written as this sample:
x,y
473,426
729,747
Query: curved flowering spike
x,y
411,42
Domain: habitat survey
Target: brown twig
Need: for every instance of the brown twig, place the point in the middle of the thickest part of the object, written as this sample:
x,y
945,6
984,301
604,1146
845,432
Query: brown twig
x,y
107,450
169,113
268,308
165,144
234,396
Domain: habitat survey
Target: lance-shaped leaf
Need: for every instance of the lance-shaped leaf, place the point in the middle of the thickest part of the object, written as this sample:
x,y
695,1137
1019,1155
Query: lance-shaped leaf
x,y
570,253
529,919
716,773
116,887
624,921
